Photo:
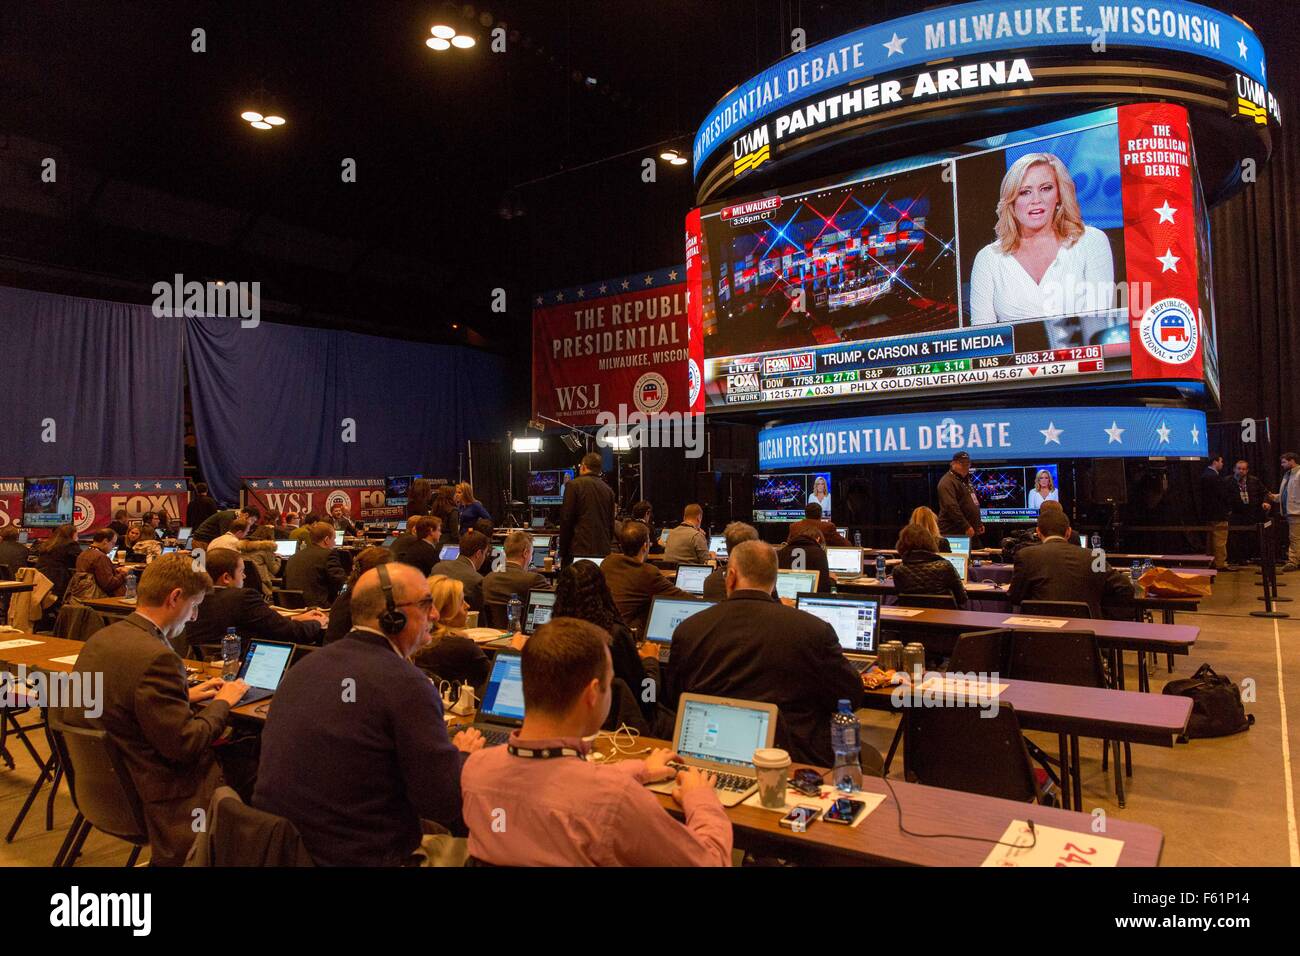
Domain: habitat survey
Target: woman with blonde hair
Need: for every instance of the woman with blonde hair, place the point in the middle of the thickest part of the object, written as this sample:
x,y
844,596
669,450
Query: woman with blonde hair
x,y
470,508
930,522
1044,489
450,654
1045,261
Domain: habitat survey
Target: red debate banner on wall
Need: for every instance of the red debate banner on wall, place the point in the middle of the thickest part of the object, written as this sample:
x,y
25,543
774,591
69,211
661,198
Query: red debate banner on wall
x,y
1160,248
363,496
617,346
98,499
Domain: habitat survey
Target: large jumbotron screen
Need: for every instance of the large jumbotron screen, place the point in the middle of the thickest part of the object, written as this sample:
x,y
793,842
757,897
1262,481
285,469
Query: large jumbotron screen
x,y
1028,257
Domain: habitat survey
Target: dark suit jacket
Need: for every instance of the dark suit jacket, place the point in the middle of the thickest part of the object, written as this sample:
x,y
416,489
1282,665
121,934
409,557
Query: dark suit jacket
x,y
814,560
14,555
215,525
199,510
586,518
58,565
632,585
421,554
958,508
147,715
317,573
1059,571
499,585
754,648
1255,491
252,618
805,526
1216,500
463,571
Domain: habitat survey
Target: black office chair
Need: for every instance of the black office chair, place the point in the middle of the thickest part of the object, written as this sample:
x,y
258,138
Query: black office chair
x,y
960,749
941,602
1065,657
1056,608
286,598
981,652
243,836
101,787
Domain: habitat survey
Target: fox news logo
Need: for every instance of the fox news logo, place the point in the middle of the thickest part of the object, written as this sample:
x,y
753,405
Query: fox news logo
x,y
786,364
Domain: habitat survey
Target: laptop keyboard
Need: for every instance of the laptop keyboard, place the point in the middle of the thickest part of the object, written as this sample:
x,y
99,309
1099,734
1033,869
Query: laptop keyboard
x,y
721,781
494,738
862,664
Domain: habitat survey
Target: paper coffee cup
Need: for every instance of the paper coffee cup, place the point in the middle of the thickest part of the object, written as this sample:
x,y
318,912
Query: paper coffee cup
x,y
773,766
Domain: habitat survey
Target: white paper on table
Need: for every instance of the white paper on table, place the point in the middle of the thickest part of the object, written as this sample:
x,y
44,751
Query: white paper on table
x,y
793,798
18,642
957,687
485,635
892,611
1037,621
1053,847
70,659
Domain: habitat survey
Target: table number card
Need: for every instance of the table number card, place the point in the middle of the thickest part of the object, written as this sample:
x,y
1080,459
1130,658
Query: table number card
x,y
18,642
1053,847
900,611
1018,620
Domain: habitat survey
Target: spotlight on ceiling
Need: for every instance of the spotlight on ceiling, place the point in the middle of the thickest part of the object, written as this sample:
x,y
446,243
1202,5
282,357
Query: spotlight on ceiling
x,y
678,161
251,116
463,42
274,120
668,155
443,32
261,125
258,121
434,43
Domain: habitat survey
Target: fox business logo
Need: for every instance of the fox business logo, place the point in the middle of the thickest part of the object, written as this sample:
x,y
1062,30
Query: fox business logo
x,y
747,382
787,364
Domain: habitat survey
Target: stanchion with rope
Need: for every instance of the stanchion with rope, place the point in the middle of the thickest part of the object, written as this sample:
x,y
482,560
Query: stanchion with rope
x,y
1269,574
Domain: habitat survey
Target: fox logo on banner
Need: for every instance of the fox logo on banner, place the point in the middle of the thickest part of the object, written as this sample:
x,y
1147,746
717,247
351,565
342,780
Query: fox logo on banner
x,y
99,499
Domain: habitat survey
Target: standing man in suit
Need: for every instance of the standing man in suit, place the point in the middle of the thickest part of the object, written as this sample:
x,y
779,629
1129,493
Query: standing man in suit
x,y
1250,505
632,582
418,545
464,568
1056,570
119,523
959,508
587,515
754,648
1216,506
147,710
315,570
687,543
219,523
515,577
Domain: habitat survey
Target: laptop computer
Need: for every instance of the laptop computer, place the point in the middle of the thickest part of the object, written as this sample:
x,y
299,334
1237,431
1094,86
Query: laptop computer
x,y
665,614
720,735
790,584
960,543
856,620
22,537
401,525
960,563
449,552
597,560
538,521
718,545
301,652
264,665
286,549
538,609
502,707
690,577
338,539
846,561
183,535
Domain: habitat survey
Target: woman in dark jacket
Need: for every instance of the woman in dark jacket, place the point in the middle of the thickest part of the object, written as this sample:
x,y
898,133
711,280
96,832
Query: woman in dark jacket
x,y
469,508
419,499
444,507
56,558
581,592
340,625
921,570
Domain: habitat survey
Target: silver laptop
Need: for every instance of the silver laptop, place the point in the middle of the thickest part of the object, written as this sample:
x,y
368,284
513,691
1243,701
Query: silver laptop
x,y
856,621
718,545
960,543
338,538
846,561
720,735
501,710
790,584
665,614
959,562
287,548
264,665
690,577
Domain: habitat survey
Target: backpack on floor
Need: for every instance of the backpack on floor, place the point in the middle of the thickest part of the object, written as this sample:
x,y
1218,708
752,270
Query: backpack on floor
x,y
1216,704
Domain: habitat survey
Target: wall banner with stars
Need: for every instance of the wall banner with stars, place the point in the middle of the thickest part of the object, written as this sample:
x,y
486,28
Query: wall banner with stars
x,y
99,498
617,346
988,435
1160,247
365,498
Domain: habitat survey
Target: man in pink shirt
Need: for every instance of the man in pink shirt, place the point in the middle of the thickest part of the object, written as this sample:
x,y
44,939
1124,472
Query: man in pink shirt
x,y
538,801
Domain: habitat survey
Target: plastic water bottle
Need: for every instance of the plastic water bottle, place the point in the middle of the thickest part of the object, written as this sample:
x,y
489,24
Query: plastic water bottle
x,y
1135,572
880,567
230,655
130,586
1147,565
514,614
847,774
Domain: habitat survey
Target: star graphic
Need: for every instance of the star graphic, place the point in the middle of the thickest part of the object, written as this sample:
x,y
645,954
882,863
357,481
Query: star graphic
x,y
1168,261
179,485
1196,435
582,293
1163,432
270,484
603,288
895,45
1165,212
1241,48
137,486
625,283
158,485
116,486
1051,434
559,297
539,300
673,275
1115,433
649,280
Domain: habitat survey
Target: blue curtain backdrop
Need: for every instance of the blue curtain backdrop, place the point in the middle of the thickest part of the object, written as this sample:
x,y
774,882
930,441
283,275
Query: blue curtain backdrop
x,y
270,400
107,373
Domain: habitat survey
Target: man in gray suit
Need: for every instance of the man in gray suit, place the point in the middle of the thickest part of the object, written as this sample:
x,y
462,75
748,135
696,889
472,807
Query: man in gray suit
x,y
147,710
515,577
473,545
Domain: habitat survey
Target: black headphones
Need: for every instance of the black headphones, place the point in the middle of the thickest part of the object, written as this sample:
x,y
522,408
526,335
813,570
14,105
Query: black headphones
x,y
392,621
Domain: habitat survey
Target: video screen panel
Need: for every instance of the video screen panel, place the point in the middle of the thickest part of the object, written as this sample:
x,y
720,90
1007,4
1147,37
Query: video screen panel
x,y
49,501
397,489
784,497
1014,493
997,264
547,487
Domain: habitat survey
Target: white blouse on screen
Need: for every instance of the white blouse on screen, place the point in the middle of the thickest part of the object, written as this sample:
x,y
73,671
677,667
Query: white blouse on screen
x,y
1002,291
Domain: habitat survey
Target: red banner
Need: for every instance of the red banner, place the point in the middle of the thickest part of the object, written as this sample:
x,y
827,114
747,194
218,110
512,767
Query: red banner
x,y
363,496
1165,330
618,346
98,499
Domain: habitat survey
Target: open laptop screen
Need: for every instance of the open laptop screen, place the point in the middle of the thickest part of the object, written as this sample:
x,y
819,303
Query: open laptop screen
x,y
449,552
667,613
286,549
504,694
790,584
959,562
539,608
960,543
593,558
718,545
854,619
690,577
724,733
265,664
844,560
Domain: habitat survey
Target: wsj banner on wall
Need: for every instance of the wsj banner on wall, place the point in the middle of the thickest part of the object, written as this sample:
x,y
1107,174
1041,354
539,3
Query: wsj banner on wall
x,y
618,346
364,497
99,498
1003,434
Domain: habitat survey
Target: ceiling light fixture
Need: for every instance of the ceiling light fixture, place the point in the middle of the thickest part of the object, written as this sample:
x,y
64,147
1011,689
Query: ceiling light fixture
x,y
436,43
251,116
261,125
668,155
463,42
445,37
274,120
443,32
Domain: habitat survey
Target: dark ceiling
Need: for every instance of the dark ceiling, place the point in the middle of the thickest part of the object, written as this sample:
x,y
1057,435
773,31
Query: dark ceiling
x,y
156,173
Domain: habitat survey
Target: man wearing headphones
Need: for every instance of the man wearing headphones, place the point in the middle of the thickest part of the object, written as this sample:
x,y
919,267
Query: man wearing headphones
x,y
355,751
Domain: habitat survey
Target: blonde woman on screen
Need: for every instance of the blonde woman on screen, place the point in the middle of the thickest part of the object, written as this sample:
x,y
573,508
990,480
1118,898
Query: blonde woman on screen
x,y
1045,260
822,495
1044,489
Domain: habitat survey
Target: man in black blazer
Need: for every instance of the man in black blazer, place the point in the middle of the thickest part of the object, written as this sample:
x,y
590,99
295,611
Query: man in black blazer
x,y
419,546
715,585
465,567
807,553
515,577
13,555
316,570
1216,508
587,515
632,582
754,648
232,605
1056,570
